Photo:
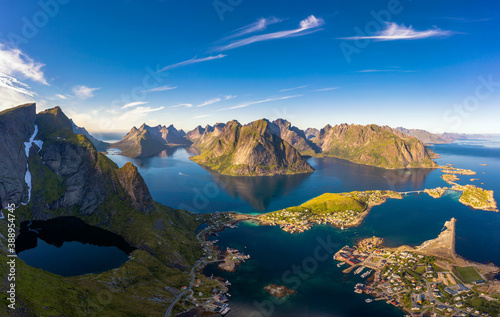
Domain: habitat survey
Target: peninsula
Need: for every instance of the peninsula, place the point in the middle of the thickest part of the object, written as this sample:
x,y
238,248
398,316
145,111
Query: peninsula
x,y
430,278
341,210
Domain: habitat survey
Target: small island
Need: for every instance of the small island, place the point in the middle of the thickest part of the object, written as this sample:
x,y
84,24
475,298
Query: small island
x,y
232,258
477,197
436,192
279,291
341,210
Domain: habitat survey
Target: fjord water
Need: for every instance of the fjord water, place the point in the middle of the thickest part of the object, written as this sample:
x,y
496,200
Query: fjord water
x,y
323,290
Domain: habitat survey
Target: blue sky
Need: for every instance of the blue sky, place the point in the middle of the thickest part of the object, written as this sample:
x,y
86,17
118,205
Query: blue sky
x,y
114,64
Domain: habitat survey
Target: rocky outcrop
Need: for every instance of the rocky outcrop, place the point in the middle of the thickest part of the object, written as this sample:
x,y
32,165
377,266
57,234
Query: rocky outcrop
x,y
250,150
311,133
294,136
149,141
17,125
374,145
135,187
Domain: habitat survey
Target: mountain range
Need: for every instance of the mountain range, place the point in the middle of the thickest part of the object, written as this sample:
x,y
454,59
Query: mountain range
x,y
48,171
265,150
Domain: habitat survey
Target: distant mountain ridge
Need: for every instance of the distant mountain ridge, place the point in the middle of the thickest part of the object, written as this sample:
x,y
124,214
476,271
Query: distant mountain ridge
x,y
148,141
101,146
374,145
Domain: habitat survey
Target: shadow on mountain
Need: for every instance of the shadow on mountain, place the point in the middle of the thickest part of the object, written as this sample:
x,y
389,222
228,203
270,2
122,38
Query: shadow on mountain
x,y
66,229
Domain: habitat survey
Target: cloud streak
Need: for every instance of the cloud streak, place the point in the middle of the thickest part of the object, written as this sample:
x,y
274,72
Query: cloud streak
x,y
14,84
161,88
251,103
193,60
385,71
294,88
215,100
133,104
259,25
327,89
394,32
307,26
15,62
84,92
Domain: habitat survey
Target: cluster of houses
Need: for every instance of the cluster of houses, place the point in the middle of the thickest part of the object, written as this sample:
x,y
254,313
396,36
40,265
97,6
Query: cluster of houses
x,y
397,281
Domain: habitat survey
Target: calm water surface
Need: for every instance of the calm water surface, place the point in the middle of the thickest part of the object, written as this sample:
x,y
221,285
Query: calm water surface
x,y
176,181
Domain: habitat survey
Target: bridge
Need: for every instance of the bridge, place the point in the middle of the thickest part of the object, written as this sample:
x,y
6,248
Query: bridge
x,y
412,192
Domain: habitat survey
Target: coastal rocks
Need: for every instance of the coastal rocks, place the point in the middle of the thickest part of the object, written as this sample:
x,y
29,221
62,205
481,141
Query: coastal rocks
x,y
232,258
279,291
436,192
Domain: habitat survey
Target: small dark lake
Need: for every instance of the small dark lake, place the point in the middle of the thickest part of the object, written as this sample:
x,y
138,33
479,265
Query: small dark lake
x,y
68,246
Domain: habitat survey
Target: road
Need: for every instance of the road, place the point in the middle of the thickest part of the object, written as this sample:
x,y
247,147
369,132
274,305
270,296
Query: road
x,y
192,272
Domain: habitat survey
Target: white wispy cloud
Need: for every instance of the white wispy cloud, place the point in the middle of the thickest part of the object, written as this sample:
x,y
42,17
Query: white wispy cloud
x,y
215,100
250,103
193,60
181,105
61,96
133,104
307,26
161,88
326,89
294,88
259,25
385,71
136,115
202,116
209,102
14,84
393,32
84,92
13,62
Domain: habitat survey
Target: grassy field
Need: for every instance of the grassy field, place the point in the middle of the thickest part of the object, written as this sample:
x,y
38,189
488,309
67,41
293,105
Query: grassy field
x,y
468,274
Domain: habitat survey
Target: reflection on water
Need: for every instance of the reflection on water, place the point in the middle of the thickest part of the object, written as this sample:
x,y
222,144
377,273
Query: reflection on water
x,y
68,246
176,181
259,191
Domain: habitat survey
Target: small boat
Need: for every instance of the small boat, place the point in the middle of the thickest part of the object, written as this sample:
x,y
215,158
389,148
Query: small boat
x,y
340,264
366,273
368,300
359,270
225,311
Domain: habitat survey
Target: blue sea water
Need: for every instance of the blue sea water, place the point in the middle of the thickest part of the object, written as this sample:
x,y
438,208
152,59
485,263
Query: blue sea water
x,y
176,181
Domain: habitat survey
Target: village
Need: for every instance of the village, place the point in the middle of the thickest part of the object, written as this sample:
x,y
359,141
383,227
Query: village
x,y
416,283
341,210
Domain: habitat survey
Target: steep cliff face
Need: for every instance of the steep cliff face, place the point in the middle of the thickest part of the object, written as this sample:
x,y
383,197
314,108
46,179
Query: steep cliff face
x,y
374,145
250,150
311,133
210,134
69,177
195,134
148,141
17,125
294,136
